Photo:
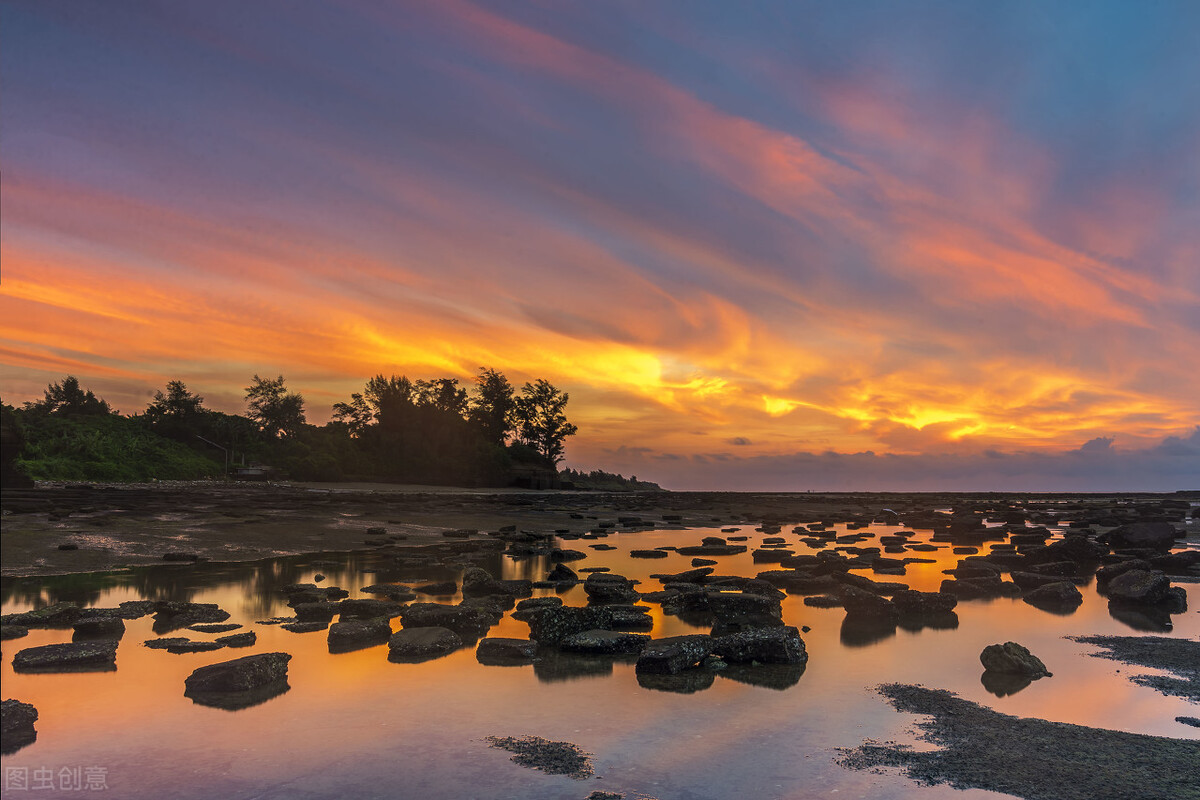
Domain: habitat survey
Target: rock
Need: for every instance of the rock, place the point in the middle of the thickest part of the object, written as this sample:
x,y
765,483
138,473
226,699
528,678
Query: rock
x,y
478,582
1032,580
469,622
92,656
421,644
861,603
59,615
170,615
1153,535
687,576
550,625
355,634
647,553
369,609
674,654
438,589
1075,548
741,610
823,601
304,627
502,651
181,644
239,675
1060,596
392,591
539,602
16,726
217,627
562,573
180,556
913,603
99,628
604,587
245,639
12,632
1012,658
601,642
316,612
773,645
1139,586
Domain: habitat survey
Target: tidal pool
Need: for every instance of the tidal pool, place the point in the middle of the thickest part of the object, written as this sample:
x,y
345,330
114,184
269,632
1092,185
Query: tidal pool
x,y
356,725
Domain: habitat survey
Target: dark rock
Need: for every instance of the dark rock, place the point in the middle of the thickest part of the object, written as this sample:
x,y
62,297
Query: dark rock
x,y
647,553
674,654
539,602
1153,535
181,644
687,576
316,612
1076,548
59,615
469,622
369,609
1058,597
304,627
561,573
99,628
92,656
1139,586
774,645
239,675
1012,658
823,601
502,651
355,634
914,603
438,588
603,587
178,556
861,603
171,615
602,642
422,644
16,726
392,591
216,627
13,632
743,610
244,639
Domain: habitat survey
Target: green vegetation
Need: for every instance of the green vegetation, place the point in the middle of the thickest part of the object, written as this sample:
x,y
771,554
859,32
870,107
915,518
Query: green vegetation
x,y
396,429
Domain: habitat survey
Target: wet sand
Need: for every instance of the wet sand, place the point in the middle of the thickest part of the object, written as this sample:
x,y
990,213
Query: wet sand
x,y
1032,758
119,525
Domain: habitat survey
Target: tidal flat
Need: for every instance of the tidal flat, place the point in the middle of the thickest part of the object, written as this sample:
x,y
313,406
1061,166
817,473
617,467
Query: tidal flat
x,y
894,591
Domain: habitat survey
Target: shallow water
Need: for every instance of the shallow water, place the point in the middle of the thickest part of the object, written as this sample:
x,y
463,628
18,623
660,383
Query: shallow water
x,y
357,725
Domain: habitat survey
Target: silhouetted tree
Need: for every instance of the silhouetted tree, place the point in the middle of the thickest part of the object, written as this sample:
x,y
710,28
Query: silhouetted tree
x,y
442,394
69,399
178,403
493,407
277,411
541,421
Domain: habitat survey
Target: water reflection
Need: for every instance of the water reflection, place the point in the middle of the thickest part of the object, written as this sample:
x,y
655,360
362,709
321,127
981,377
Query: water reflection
x,y
236,701
858,631
1003,684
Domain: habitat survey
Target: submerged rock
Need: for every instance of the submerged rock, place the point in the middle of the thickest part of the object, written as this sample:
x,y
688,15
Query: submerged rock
x,y
59,615
1153,535
1012,658
99,628
465,620
1061,596
245,639
181,644
170,615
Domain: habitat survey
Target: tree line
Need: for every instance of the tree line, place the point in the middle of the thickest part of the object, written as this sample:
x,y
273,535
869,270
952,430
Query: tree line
x,y
395,429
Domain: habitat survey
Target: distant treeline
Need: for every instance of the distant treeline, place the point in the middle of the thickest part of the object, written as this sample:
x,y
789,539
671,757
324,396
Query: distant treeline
x,y
395,429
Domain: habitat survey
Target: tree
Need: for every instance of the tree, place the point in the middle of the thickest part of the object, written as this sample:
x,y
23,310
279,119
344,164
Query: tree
x,y
493,408
382,401
442,394
277,411
541,423
69,399
178,403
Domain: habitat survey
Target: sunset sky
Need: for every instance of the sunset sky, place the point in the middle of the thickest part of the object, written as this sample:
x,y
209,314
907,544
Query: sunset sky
x,y
781,246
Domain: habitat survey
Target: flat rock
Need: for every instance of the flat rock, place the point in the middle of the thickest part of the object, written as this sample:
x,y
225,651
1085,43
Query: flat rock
x,y
181,644
673,654
499,650
245,639
16,726
602,642
239,675
355,634
419,644
92,656
774,645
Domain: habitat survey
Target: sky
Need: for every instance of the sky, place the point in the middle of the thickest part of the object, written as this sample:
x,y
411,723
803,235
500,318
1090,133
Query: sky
x,y
768,245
